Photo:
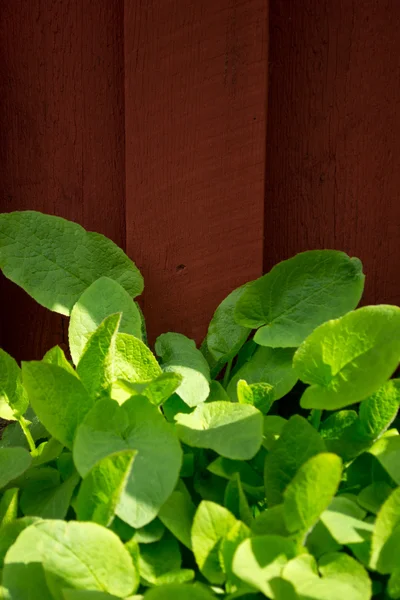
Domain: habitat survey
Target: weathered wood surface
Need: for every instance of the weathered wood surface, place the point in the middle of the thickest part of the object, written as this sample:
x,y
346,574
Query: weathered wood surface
x,y
62,134
333,141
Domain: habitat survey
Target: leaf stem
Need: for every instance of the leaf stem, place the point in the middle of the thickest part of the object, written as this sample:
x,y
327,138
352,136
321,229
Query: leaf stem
x,y
227,373
24,426
315,417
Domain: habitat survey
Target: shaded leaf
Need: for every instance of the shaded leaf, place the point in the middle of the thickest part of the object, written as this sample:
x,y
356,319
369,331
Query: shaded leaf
x,y
298,442
13,462
267,365
211,523
179,355
224,336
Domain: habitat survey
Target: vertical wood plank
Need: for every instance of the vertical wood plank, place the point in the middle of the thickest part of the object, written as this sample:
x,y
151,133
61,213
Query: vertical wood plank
x,y
62,133
333,158
195,98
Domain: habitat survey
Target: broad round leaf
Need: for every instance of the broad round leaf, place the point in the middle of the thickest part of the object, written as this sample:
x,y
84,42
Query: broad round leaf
x,y
341,577
211,524
233,430
103,298
50,556
298,442
135,425
180,355
348,359
386,524
13,462
311,491
267,365
224,336
260,559
58,397
179,591
299,294
55,260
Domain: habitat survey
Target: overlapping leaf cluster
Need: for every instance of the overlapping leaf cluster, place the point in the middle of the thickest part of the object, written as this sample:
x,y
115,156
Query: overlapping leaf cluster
x,y
265,464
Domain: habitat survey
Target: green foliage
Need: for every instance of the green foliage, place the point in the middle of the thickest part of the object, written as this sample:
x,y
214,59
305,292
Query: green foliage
x,y
55,260
203,473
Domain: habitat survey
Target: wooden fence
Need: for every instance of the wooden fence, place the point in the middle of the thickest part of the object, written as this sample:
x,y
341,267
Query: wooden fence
x,y
146,120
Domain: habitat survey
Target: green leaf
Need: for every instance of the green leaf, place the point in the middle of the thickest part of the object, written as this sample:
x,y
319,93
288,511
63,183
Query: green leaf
x,y
310,491
231,430
179,355
134,361
50,556
104,297
48,501
319,541
136,425
177,514
58,398
273,426
267,365
150,533
9,532
271,522
261,559
14,436
387,451
229,544
55,260
393,587
299,294
337,423
344,521
8,506
224,336
211,524
341,577
236,501
387,524
217,393
157,391
158,559
47,452
260,395
96,364
298,442
13,399
224,467
13,462
86,595
180,591
102,487
56,356
379,410
348,359
374,495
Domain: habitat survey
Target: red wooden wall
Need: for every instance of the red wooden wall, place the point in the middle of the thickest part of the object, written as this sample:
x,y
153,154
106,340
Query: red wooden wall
x,y
147,121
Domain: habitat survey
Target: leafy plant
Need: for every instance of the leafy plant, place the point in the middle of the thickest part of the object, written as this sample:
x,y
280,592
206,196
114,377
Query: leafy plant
x,y
265,463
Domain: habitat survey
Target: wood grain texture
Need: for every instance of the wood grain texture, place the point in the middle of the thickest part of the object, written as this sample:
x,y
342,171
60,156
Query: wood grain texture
x,y
195,98
333,158
62,133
